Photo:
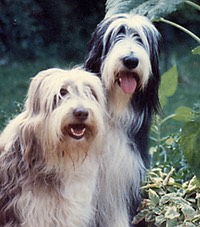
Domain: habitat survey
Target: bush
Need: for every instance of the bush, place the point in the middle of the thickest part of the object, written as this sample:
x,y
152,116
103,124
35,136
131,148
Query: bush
x,y
172,187
169,203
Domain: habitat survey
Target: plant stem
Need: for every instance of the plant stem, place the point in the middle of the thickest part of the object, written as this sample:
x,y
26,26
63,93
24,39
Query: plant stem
x,y
167,118
181,28
193,4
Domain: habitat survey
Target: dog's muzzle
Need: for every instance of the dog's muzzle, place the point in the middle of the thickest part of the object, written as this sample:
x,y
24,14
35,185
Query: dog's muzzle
x,y
127,79
78,129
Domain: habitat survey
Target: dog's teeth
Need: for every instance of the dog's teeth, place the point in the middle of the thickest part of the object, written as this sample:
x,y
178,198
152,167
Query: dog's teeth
x,y
78,134
120,79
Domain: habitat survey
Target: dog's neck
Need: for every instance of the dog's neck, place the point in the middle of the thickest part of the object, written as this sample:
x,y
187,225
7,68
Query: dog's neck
x,y
118,101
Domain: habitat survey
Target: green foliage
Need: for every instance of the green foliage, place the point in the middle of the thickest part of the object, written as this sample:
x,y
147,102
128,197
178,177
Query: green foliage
x,y
190,141
182,113
171,191
196,50
169,203
152,8
168,85
173,196
166,151
20,31
31,29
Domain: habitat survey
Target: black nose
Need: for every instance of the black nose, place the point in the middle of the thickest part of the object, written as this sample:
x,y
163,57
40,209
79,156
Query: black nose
x,y
81,114
130,62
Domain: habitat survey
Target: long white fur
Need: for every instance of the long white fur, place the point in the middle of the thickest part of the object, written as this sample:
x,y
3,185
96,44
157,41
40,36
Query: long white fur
x,y
120,168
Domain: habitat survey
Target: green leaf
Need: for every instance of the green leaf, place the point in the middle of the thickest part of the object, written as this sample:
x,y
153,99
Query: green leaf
x,y
165,199
154,197
183,113
121,6
188,212
159,220
172,213
186,224
140,216
190,144
153,9
171,223
196,50
168,85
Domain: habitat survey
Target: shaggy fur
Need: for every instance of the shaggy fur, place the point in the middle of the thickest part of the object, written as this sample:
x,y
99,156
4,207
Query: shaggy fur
x,y
123,52
49,154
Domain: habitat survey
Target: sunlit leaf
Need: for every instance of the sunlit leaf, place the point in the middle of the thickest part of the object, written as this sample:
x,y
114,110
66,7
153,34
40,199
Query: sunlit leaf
x,y
168,85
169,141
172,213
196,50
183,113
159,220
140,216
165,199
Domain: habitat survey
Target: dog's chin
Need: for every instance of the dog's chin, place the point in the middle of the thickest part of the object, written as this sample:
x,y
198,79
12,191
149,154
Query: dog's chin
x,y
128,82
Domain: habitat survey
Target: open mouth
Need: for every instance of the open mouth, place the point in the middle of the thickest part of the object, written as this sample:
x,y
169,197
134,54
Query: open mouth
x,y
77,131
128,81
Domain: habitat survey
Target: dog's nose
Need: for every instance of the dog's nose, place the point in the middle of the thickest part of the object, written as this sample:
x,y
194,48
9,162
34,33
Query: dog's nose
x,y
130,62
81,114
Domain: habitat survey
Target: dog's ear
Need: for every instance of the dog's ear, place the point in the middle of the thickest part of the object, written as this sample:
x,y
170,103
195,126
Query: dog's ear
x,y
153,38
146,101
94,53
32,104
98,47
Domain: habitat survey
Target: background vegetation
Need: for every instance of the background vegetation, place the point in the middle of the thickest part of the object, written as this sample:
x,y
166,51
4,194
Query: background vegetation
x,y
38,34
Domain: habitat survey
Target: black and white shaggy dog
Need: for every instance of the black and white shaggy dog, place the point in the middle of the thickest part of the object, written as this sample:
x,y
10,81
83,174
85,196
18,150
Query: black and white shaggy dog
x,y
123,51
49,154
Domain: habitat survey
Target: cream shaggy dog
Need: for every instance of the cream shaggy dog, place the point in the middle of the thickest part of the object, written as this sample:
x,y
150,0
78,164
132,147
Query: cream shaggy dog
x,y
49,154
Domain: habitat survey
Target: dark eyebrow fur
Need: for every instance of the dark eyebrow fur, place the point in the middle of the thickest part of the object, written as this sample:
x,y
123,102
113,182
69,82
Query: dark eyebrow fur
x,y
92,91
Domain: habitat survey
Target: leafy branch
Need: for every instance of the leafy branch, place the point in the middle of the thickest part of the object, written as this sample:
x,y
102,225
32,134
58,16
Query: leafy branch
x,y
153,9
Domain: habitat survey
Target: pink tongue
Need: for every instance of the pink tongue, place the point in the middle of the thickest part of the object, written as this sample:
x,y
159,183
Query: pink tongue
x,y
127,82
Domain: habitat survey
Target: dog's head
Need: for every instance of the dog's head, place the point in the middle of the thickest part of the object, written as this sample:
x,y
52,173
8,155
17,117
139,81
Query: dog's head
x,y
63,115
124,51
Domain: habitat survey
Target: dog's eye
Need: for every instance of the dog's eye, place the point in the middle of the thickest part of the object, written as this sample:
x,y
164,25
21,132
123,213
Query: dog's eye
x,y
94,94
122,30
63,92
137,37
